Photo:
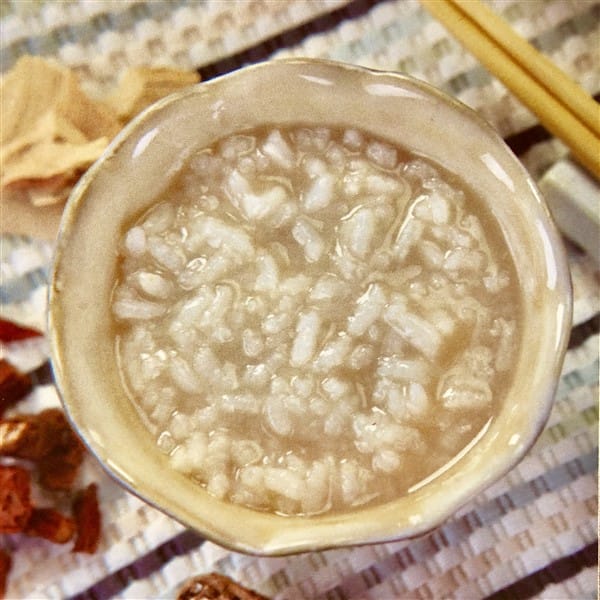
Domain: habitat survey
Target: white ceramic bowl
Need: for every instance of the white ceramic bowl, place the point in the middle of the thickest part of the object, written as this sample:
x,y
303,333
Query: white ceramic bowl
x,y
140,163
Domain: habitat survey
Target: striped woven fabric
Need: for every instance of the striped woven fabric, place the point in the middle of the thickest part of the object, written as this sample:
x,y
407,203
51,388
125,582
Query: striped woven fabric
x,y
531,535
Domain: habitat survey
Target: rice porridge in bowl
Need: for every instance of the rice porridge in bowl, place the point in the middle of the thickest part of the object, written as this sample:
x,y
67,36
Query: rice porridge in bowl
x,y
310,321
316,318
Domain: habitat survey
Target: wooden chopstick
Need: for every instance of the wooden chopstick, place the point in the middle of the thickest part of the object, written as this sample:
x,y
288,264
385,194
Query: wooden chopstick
x,y
564,108
556,81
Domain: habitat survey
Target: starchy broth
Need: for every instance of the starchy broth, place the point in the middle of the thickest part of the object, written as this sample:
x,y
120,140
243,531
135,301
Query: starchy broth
x,y
312,319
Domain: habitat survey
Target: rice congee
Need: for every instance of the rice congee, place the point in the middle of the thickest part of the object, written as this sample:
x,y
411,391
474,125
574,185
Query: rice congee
x,y
310,319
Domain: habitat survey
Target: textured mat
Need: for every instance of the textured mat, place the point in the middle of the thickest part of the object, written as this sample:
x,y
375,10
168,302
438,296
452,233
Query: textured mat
x,y
534,533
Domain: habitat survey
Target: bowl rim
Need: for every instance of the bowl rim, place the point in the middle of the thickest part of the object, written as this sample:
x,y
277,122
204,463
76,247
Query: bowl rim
x,y
277,544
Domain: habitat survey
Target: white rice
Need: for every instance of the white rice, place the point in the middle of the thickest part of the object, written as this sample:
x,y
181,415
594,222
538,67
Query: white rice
x,y
310,320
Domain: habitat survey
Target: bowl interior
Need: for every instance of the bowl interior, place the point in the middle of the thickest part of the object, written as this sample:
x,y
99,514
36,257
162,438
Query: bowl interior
x,y
141,162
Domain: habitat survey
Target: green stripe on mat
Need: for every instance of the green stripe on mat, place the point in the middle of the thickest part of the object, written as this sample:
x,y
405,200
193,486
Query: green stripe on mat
x,y
584,376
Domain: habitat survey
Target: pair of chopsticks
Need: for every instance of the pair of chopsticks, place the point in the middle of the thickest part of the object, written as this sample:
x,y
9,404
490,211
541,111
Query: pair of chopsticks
x,y
562,106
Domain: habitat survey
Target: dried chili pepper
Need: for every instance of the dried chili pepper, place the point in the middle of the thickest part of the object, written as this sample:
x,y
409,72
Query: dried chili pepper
x,y
12,332
14,385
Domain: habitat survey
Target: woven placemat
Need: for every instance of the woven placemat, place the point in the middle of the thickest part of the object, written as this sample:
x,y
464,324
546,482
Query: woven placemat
x,y
542,511
99,40
534,533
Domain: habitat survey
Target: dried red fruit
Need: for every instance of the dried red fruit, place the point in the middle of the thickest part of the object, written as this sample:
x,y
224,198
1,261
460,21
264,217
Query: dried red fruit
x,y
59,470
51,525
59,467
48,439
12,332
215,586
15,499
14,385
23,437
88,520
36,436
5,564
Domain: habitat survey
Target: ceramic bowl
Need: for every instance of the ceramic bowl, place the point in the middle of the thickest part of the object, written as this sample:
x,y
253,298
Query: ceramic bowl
x,y
139,164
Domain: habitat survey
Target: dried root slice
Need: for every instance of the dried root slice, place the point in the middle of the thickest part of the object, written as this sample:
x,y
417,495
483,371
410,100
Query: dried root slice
x,y
50,127
88,520
141,86
215,586
50,524
40,165
52,132
33,211
15,499
40,97
14,385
